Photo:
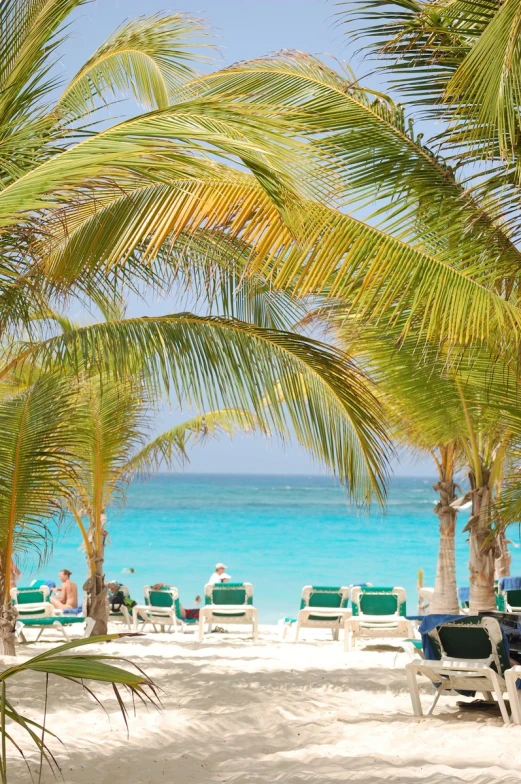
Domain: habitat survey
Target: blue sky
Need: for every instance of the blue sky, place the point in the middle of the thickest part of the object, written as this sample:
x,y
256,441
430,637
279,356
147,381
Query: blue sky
x,y
244,29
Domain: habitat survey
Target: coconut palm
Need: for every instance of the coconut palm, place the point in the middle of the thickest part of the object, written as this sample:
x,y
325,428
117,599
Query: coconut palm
x,y
117,421
464,416
38,461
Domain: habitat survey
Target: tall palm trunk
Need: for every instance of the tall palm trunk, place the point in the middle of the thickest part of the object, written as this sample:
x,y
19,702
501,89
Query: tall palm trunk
x,y
7,611
445,598
95,588
504,558
482,551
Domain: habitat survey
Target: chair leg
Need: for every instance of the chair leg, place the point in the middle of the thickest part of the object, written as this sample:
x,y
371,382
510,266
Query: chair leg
x,y
201,626
63,630
297,630
414,691
255,619
514,695
39,633
498,693
437,696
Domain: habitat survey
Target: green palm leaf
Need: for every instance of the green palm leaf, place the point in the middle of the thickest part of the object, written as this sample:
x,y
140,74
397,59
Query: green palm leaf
x,y
146,57
216,363
38,461
171,446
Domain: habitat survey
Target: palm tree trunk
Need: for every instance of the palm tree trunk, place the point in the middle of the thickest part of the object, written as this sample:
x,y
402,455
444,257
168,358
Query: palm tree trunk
x,y
96,590
482,551
445,598
504,558
7,612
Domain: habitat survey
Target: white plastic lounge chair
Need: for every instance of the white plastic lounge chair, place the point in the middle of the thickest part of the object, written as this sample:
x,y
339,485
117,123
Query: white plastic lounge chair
x,y
229,603
377,612
161,609
35,610
32,602
62,623
323,607
472,657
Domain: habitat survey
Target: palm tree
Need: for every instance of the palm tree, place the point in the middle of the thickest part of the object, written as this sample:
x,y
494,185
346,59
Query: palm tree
x,y
39,444
190,189
425,248
117,418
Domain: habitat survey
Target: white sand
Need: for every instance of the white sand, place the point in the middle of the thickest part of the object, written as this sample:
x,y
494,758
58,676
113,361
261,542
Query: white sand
x,y
268,713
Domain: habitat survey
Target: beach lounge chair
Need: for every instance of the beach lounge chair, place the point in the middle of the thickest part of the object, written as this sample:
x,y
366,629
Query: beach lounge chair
x,y
35,611
161,609
470,655
510,590
316,607
32,602
231,603
377,612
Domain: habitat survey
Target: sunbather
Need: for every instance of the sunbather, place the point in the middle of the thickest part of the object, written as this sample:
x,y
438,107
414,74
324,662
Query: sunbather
x,y
66,597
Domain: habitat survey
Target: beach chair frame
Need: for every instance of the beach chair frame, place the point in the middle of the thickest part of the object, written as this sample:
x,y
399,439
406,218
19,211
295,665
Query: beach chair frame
x,y
157,616
326,616
57,622
219,612
365,625
491,675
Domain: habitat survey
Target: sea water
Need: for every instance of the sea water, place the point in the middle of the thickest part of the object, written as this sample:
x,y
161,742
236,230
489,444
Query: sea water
x,y
277,532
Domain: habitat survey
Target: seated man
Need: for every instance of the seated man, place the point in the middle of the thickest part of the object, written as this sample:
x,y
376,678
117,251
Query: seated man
x,y
219,576
67,595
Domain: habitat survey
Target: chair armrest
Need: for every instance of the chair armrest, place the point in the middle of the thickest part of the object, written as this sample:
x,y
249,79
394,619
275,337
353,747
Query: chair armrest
x,y
466,665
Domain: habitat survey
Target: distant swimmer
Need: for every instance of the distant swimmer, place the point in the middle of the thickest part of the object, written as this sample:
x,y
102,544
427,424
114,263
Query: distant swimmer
x,y
129,570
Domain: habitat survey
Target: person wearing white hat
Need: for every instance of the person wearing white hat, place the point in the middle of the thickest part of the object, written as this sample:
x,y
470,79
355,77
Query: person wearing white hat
x,y
219,576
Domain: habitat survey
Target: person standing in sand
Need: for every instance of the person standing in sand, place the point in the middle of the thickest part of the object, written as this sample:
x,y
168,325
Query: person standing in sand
x,y
219,576
67,598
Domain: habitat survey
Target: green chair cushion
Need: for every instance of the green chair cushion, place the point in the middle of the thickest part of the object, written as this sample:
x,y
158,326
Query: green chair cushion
x,y
30,596
50,620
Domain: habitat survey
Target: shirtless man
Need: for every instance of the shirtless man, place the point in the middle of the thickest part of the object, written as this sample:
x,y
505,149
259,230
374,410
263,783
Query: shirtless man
x,y
68,593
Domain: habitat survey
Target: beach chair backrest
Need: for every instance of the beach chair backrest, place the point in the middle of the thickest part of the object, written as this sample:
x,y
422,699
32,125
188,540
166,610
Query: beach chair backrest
x,y
163,597
31,602
229,593
324,596
378,600
30,595
475,638
513,598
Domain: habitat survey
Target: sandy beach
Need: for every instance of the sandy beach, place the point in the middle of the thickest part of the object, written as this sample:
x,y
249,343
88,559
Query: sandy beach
x,y
240,712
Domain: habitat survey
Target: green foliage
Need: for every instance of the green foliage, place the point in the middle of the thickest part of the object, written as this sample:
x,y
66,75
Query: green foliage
x,y
75,669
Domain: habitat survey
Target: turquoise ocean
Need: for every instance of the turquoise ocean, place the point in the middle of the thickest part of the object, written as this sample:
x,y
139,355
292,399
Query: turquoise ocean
x,y
277,532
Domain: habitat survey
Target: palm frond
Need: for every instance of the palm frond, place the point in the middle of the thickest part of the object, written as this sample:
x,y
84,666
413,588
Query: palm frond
x,y
380,162
170,447
146,58
38,461
216,363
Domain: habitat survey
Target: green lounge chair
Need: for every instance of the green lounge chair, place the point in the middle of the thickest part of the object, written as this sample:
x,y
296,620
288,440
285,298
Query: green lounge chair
x,y
512,600
161,609
231,603
58,622
470,656
35,611
32,602
377,612
316,606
